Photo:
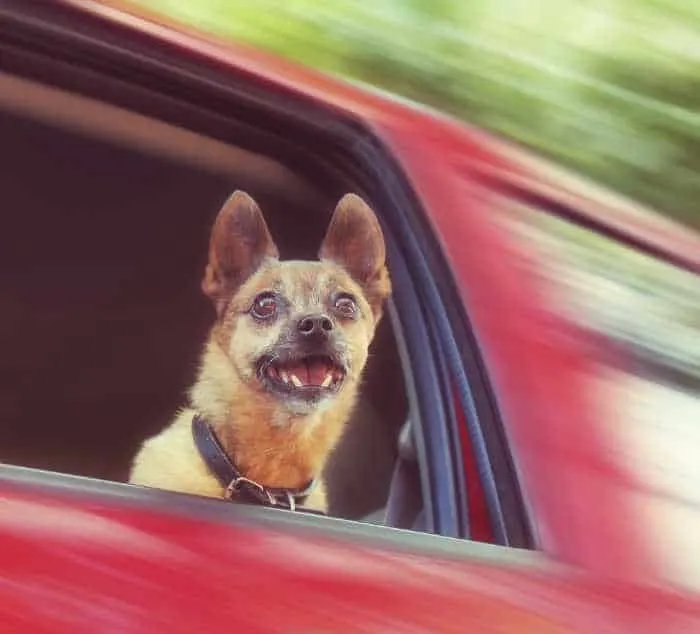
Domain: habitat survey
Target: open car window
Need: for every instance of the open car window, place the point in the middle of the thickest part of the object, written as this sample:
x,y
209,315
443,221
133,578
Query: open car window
x,y
103,315
123,149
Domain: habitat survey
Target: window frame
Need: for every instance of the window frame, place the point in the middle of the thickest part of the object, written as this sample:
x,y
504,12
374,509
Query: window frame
x,y
60,46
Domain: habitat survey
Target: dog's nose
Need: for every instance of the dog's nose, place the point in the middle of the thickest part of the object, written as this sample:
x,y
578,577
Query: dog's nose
x,y
315,325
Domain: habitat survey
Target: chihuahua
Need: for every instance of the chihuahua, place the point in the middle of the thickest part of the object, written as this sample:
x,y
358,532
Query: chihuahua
x,y
280,372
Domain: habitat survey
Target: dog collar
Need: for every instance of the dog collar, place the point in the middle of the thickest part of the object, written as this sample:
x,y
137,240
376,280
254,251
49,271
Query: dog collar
x,y
234,482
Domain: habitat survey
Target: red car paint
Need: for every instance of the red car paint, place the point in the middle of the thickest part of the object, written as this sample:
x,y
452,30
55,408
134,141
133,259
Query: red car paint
x,y
79,564
86,567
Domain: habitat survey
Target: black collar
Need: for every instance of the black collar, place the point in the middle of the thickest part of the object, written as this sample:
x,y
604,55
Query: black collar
x,y
235,483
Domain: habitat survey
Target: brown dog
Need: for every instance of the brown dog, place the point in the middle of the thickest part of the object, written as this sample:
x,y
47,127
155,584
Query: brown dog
x,y
280,372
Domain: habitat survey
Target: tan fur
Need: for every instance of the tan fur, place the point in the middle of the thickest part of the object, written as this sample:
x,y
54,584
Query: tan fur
x,y
275,442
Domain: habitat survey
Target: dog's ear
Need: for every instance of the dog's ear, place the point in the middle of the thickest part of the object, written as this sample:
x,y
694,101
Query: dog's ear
x,y
240,242
354,240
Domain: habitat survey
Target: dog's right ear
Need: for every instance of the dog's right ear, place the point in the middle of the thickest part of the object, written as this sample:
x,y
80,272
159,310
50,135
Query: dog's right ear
x,y
240,242
354,240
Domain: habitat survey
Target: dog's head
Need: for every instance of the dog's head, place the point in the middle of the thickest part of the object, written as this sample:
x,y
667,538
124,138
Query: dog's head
x,y
297,331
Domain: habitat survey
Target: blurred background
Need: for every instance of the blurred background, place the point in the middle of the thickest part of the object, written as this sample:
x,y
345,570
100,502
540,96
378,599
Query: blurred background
x,y
610,88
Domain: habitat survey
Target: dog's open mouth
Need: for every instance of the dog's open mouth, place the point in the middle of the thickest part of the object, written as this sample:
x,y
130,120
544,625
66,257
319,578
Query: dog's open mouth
x,y
305,376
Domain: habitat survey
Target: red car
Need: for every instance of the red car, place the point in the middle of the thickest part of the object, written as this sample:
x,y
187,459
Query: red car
x,y
528,459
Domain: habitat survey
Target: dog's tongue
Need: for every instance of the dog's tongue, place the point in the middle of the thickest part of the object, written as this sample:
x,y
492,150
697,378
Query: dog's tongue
x,y
316,372
311,373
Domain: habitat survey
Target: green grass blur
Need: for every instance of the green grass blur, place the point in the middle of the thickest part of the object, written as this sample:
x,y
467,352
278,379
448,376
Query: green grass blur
x,y
610,88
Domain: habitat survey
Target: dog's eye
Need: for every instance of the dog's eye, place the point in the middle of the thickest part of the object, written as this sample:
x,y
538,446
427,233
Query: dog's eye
x,y
345,305
264,306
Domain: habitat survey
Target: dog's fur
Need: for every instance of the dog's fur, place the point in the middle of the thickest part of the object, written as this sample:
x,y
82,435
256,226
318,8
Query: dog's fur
x,y
277,435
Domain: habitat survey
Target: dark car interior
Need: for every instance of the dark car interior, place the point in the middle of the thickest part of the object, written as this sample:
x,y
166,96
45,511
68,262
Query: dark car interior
x,y
106,221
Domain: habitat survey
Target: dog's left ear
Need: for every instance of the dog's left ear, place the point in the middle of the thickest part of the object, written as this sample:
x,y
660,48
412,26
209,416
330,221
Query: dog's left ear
x,y
354,240
240,242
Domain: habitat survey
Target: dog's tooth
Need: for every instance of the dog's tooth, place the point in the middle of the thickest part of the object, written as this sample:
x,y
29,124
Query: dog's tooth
x,y
284,376
296,380
327,380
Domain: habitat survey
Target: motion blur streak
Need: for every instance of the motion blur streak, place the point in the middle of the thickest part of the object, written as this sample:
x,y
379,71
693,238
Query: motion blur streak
x,y
609,88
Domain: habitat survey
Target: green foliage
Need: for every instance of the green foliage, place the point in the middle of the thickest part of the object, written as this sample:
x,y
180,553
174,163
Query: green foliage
x,y
609,89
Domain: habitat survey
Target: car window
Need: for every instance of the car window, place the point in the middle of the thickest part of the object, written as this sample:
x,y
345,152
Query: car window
x,y
101,338
643,317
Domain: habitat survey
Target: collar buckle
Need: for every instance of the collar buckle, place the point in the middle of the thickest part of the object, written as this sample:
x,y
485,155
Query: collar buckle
x,y
263,494
257,489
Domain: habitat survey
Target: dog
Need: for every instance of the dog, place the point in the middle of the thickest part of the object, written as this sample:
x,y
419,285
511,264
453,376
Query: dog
x,y
280,372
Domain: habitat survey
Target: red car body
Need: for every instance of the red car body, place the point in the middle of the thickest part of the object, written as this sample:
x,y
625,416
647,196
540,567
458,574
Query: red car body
x,y
91,562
